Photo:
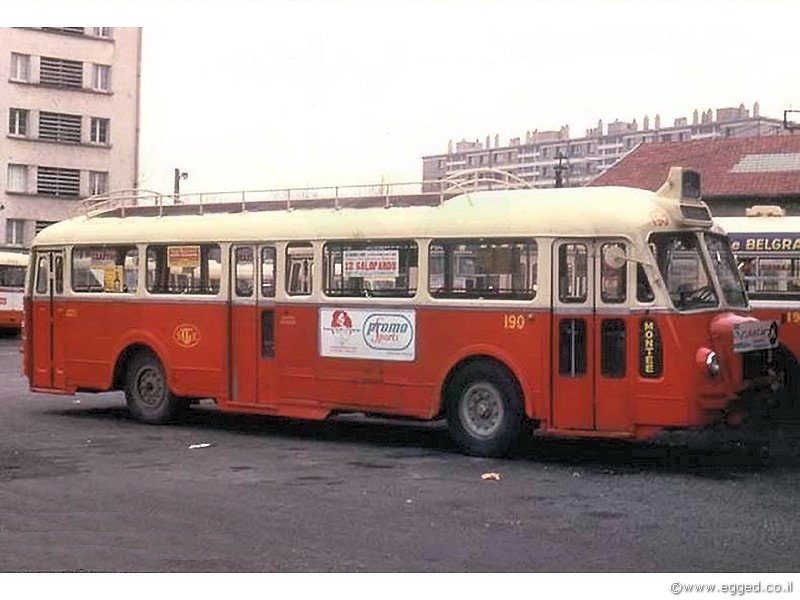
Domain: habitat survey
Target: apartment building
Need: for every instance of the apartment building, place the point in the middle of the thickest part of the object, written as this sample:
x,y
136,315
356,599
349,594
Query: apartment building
x,y
71,96
543,158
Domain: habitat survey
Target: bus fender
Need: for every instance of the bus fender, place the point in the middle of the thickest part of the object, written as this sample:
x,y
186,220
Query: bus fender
x,y
483,352
144,340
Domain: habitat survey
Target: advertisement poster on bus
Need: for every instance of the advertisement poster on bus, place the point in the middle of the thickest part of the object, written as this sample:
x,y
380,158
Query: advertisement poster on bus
x,y
371,263
183,256
379,334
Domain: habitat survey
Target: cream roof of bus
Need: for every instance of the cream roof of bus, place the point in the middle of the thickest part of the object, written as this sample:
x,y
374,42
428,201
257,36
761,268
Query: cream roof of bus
x,y
759,224
566,211
16,259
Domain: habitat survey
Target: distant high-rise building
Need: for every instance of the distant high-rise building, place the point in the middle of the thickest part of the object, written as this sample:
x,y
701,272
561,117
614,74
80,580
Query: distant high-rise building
x,y
71,96
543,154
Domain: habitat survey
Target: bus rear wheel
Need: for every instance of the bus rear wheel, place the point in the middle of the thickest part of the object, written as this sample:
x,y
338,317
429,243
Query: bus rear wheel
x,y
147,393
484,410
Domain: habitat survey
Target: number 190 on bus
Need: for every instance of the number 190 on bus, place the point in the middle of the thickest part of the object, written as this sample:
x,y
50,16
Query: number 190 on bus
x,y
513,321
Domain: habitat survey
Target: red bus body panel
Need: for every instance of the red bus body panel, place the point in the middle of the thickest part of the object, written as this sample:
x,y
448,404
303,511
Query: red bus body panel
x,y
214,349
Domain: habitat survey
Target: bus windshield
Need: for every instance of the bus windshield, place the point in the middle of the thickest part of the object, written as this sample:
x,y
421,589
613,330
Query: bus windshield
x,y
683,269
724,265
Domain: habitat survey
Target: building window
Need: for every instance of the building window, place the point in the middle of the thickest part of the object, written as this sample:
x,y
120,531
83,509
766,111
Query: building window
x,y
60,73
15,232
60,127
18,121
55,181
70,30
98,182
20,67
99,131
101,78
17,178
101,32
42,225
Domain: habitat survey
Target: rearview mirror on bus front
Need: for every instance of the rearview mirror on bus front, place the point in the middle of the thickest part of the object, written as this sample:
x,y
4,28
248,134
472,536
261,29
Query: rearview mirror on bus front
x,y
614,256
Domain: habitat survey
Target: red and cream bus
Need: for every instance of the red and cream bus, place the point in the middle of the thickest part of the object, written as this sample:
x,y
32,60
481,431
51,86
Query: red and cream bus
x,y
12,281
597,312
767,247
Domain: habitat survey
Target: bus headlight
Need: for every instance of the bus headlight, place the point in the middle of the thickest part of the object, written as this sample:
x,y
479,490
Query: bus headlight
x,y
712,364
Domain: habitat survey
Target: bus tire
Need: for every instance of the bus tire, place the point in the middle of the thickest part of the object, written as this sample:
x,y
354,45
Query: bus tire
x,y
484,410
147,394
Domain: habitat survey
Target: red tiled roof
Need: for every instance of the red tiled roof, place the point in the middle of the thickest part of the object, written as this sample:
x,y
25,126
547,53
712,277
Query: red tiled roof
x,y
769,166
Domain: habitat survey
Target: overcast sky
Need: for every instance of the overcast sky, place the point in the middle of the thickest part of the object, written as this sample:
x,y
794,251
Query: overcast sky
x,y
272,93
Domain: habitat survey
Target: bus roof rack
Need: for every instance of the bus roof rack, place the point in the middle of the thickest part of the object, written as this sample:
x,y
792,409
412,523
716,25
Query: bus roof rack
x,y
137,202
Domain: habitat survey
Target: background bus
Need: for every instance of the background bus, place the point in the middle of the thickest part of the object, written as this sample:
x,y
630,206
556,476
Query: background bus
x,y
596,312
12,280
766,244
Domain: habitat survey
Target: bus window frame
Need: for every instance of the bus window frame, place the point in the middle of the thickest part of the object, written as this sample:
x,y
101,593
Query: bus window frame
x,y
535,255
289,264
205,248
336,248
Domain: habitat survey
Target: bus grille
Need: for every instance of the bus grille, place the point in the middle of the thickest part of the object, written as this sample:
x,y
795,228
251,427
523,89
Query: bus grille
x,y
756,364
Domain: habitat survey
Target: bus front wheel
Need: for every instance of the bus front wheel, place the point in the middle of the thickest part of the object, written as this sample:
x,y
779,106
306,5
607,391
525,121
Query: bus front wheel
x,y
146,391
484,410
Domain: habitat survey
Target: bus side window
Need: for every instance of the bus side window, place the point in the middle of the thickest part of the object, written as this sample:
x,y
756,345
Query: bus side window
x,y
299,269
613,280
42,274
184,269
244,272
59,274
572,271
644,293
268,272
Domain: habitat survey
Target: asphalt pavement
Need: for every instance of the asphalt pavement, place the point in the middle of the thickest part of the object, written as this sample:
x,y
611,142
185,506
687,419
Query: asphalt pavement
x,y
83,487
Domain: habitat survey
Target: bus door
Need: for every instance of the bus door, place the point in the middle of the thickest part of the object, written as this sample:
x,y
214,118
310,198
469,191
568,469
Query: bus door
x,y
589,338
252,335
48,286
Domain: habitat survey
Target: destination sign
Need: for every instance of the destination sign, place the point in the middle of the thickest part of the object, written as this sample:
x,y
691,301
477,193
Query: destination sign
x,y
765,242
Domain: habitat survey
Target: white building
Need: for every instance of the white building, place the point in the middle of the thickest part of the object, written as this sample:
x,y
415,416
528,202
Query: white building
x,y
71,95
543,157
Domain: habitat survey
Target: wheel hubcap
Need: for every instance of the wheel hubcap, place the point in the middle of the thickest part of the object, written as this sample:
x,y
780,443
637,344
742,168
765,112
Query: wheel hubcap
x,y
150,386
482,409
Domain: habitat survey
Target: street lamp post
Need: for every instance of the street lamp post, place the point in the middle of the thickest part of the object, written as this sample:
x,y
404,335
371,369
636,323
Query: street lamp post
x,y
178,176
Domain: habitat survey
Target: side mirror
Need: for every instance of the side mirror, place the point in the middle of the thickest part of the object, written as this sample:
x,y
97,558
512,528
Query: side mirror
x,y
614,256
